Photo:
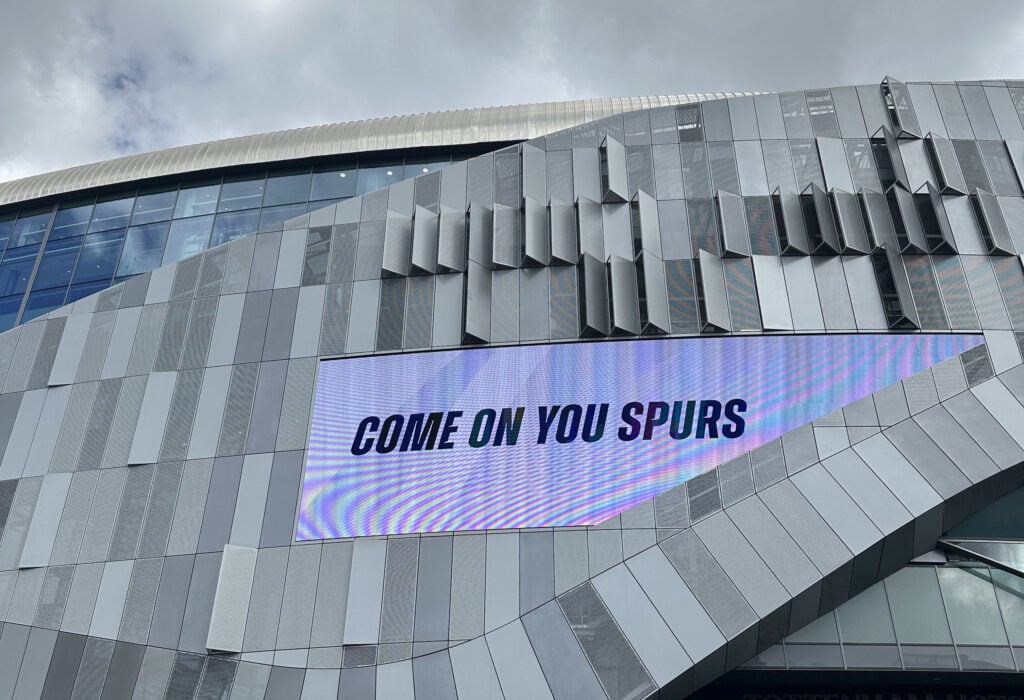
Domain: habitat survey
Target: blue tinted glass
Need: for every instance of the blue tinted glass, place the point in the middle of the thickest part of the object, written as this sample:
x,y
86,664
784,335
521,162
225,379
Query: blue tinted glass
x,y
57,263
333,184
412,169
156,206
287,189
80,291
6,225
196,201
16,268
99,256
187,237
371,179
30,228
70,222
244,194
9,311
275,215
111,214
228,227
143,248
42,302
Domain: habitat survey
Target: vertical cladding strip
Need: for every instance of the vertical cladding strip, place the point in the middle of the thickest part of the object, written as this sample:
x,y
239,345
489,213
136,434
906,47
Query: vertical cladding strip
x,y
365,594
42,530
299,598
152,418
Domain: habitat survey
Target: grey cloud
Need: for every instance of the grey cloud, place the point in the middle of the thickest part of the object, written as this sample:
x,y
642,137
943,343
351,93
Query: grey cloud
x,y
85,82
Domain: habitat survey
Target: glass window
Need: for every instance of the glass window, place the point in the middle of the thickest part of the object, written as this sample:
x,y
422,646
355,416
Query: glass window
x,y
6,225
197,201
333,184
156,206
80,291
374,178
917,607
865,618
71,221
57,263
236,195
43,302
287,189
111,214
143,248
16,268
1010,592
99,256
30,228
421,167
270,216
228,227
187,237
971,606
9,311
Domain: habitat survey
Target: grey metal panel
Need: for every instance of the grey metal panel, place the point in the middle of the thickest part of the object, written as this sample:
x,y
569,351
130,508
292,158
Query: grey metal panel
x,y
536,235
220,504
806,526
452,241
399,597
24,596
712,298
43,442
225,330
517,667
231,602
957,443
643,627
425,240
208,413
13,641
140,600
618,236
564,241
536,569
82,598
18,520
32,675
837,508
290,259
477,303
366,589
152,417
180,416
43,528
172,339
28,345
447,327
121,339
480,245
867,491
264,261
395,680
252,330
308,316
751,168
362,331
147,337
834,293
506,232
53,596
614,159
566,669
247,523
67,654
170,601
21,434
586,172
280,324
69,352
803,294
501,580
899,476
833,163
264,613
735,240
332,595
266,412
984,429
199,605
474,672
928,459
864,295
590,224
110,599
66,452
279,515
771,292
625,312
74,518
398,246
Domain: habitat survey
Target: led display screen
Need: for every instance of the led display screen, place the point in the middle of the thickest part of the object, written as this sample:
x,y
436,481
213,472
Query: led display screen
x,y
570,434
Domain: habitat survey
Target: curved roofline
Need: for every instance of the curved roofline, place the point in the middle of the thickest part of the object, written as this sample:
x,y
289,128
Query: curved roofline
x,y
452,128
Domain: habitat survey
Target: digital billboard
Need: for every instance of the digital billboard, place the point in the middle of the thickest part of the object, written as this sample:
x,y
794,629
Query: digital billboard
x,y
567,434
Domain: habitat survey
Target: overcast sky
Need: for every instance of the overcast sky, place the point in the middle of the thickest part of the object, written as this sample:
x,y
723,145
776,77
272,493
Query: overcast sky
x,y
87,80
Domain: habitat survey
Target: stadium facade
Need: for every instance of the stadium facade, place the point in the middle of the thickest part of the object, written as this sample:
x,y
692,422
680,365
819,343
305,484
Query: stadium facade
x,y
724,397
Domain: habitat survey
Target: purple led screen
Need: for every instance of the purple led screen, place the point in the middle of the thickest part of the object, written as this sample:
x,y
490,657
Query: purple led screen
x,y
435,442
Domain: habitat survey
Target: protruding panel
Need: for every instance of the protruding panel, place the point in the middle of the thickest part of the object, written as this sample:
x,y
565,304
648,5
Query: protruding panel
x,y
864,295
624,294
564,246
905,220
946,166
771,293
537,241
476,304
878,220
425,241
934,221
590,224
894,287
481,234
618,234
712,302
593,290
735,240
834,165
821,227
652,293
451,246
993,225
231,602
650,227
614,187
892,149
853,235
507,246
789,222
901,108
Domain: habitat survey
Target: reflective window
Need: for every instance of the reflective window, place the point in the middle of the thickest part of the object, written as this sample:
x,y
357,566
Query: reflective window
x,y
143,248
42,302
30,228
156,206
70,221
228,227
333,184
57,263
1010,592
271,216
917,606
16,268
287,189
421,167
187,237
6,226
9,311
371,179
99,256
111,214
197,201
971,606
236,195
80,291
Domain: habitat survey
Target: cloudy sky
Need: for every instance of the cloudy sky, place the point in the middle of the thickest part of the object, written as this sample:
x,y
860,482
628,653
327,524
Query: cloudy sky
x,y
87,80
